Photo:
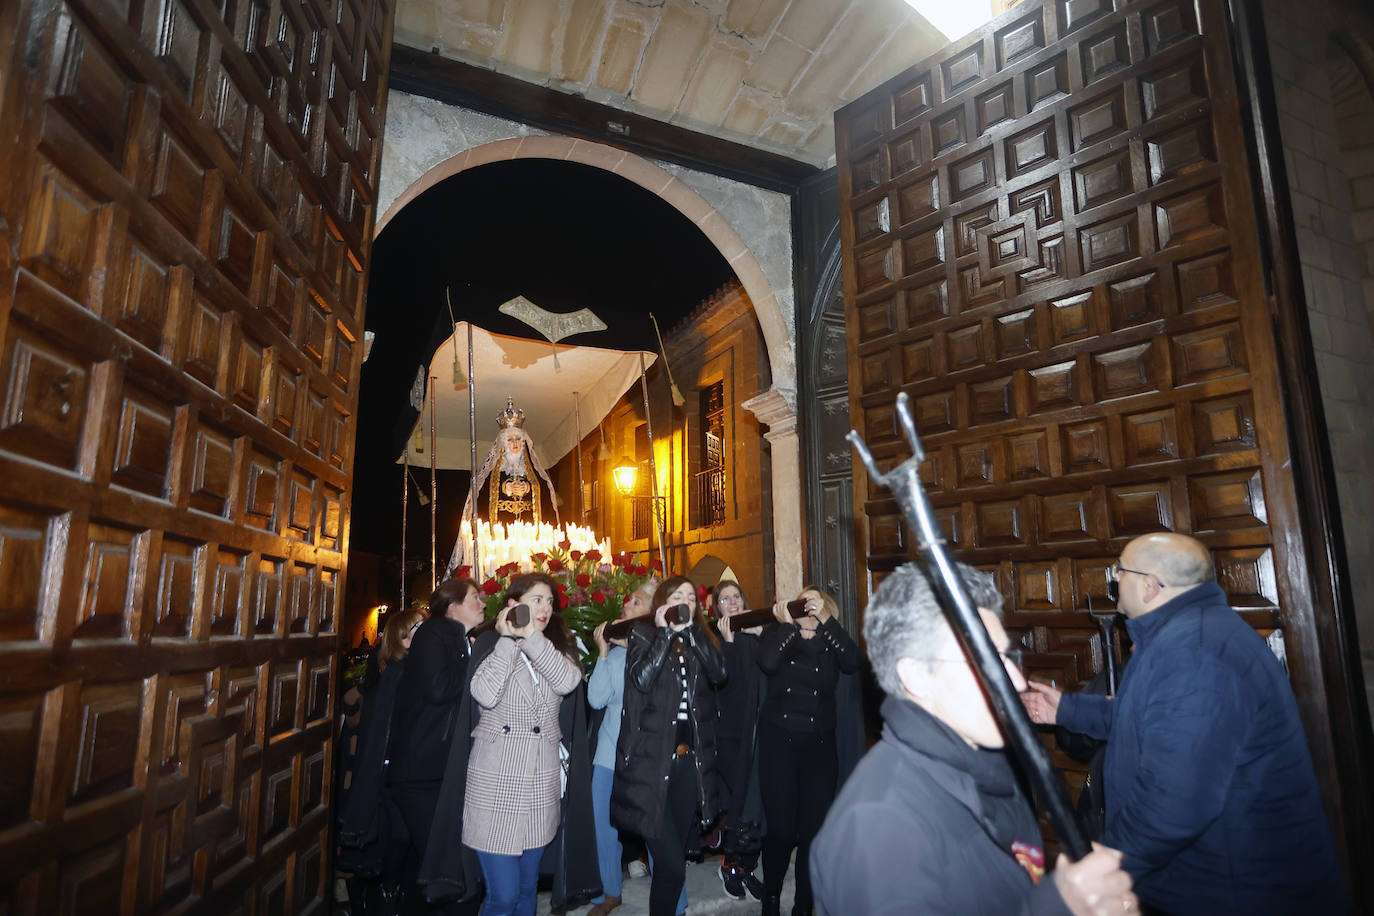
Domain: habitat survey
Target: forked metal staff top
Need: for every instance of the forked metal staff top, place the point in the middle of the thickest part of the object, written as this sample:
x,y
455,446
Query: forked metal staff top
x,y
905,483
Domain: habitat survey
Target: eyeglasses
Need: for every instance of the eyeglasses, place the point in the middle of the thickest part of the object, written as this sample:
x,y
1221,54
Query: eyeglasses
x,y
1116,569
1114,578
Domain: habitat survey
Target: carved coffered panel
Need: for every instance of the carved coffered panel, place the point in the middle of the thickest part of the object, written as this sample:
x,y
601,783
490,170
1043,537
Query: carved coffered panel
x,y
1069,292
189,200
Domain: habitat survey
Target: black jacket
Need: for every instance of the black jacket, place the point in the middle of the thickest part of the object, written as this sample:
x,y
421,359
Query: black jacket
x,y
451,871
929,824
571,857
1211,793
362,816
427,701
644,752
738,702
803,674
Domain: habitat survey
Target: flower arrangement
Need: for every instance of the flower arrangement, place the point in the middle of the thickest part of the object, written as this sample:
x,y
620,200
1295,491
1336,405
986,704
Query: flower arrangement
x,y
591,589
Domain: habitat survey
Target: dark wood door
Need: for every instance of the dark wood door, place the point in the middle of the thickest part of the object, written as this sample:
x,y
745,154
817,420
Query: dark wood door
x,y
185,223
823,396
1050,243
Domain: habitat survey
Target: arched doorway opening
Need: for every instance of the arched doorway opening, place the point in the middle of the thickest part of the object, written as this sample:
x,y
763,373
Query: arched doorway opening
x,y
479,201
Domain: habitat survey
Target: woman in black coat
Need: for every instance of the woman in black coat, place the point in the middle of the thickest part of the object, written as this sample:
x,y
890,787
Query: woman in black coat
x,y
371,834
666,784
739,703
797,755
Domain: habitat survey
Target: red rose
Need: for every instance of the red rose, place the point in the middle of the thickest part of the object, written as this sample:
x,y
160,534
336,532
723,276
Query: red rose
x,y
702,592
555,566
584,580
491,586
622,559
593,555
463,572
641,570
565,545
575,555
539,557
562,596
657,565
599,597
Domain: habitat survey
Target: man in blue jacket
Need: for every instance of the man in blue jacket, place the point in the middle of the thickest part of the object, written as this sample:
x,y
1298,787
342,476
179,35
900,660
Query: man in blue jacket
x,y
1210,790
933,820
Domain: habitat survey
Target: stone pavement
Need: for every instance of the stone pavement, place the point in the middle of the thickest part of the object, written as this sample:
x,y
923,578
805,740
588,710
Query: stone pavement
x,y
704,894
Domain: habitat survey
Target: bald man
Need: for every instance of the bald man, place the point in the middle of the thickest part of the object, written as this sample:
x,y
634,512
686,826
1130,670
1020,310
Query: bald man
x,y
1210,791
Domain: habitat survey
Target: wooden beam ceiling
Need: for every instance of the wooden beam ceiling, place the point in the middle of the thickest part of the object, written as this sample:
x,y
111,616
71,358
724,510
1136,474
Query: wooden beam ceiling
x,y
443,79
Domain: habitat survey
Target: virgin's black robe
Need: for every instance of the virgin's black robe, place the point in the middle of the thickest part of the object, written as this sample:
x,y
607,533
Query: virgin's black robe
x,y
451,871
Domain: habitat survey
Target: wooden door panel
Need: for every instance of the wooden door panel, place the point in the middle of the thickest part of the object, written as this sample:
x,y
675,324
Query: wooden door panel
x,y
1050,245
186,224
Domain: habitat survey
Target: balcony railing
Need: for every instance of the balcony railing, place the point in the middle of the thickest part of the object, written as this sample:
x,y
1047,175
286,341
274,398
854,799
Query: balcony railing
x,y
710,497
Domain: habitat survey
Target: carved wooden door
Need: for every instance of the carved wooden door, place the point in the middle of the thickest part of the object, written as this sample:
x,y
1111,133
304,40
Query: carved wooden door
x,y
185,221
1050,244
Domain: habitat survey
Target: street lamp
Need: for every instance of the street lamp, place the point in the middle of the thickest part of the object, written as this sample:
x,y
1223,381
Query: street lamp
x,y
624,473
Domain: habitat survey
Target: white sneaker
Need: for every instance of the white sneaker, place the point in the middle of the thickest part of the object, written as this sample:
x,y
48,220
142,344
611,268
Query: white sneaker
x,y
638,869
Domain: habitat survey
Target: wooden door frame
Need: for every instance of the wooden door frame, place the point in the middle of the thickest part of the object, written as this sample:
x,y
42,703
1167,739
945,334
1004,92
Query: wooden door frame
x,y
1319,517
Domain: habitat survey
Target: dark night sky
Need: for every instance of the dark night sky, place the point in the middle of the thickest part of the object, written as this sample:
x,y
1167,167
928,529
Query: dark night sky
x,y
566,236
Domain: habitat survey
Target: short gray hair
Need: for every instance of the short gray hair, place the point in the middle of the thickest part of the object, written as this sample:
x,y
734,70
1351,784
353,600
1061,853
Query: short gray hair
x,y
904,620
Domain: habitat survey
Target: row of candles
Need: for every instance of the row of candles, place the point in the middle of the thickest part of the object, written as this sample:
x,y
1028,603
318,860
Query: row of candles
x,y
517,542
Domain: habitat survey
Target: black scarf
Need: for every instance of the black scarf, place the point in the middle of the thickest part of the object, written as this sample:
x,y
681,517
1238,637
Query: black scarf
x,y
1001,808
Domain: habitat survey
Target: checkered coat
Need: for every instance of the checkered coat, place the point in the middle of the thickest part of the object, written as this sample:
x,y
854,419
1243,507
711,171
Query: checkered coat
x,y
513,794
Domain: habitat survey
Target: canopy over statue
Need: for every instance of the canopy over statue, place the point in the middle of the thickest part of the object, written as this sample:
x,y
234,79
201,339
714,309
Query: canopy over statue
x,y
523,370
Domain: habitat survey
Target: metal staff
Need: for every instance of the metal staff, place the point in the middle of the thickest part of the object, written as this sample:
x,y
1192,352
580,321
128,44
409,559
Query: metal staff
x,y
405,502
577,425
1107,624
433,492
653,466
472,458
905,483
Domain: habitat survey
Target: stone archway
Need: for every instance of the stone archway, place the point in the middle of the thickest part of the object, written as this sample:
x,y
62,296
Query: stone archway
x,y
776,326
776,408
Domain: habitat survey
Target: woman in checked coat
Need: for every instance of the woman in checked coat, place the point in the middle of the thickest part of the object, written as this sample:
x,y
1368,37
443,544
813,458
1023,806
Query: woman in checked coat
x,y
514,788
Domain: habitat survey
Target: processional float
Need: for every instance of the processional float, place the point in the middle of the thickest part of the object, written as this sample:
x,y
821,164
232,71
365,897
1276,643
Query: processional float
x,y
579,381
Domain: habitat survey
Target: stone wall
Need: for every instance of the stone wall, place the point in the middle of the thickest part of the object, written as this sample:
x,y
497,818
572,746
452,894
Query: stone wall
x,y
1334,267
423,133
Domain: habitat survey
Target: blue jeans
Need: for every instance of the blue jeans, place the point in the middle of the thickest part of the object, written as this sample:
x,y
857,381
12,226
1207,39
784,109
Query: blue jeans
x,y
607,837
512,882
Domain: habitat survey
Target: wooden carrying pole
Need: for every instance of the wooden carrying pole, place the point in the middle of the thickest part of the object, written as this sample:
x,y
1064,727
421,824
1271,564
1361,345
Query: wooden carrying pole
x,y
577,427
405,502
905,483
472,458
433,492
653,466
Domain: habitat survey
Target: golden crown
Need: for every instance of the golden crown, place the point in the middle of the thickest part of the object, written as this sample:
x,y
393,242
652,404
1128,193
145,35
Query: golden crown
x,y
512,417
